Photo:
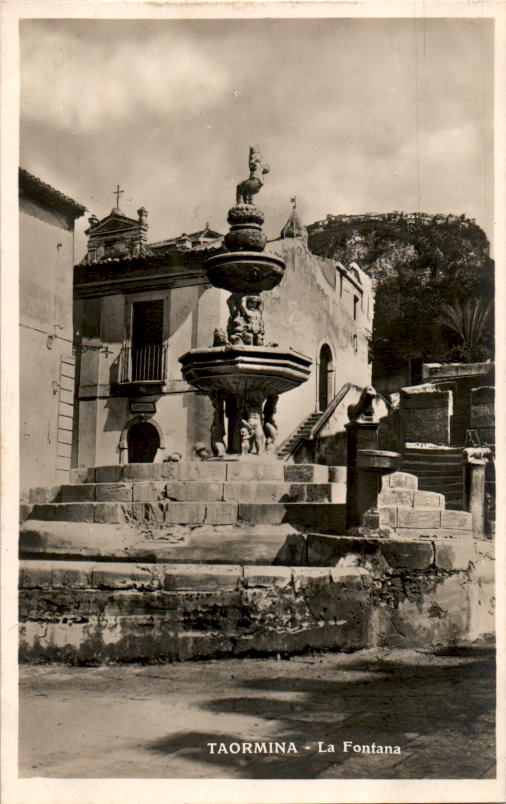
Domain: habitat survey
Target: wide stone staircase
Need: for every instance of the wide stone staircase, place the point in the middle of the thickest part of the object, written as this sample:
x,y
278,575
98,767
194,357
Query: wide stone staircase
x,y
171,561
438,469
199,511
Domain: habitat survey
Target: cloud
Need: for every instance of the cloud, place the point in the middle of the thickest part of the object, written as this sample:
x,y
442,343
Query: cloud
x,y
85,85
353,115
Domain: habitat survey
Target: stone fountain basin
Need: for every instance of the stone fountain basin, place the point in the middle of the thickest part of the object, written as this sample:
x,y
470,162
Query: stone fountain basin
x,y
244,271
233,369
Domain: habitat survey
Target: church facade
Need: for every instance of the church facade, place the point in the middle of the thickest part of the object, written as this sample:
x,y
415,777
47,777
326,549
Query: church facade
x,y
138,307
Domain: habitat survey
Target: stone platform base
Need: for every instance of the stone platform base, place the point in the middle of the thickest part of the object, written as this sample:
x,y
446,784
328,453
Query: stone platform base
x,y
387,592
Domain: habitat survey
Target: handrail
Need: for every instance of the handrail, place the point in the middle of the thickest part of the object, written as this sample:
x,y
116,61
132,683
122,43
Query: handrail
x,y
143,364
294,432
325,416
329,410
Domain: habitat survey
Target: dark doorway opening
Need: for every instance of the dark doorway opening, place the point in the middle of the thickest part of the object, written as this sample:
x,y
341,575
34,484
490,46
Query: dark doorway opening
x,y
143,443
325,377
147,340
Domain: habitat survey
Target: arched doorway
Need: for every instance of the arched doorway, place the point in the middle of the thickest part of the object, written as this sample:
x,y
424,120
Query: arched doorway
x,y
143,443
325,377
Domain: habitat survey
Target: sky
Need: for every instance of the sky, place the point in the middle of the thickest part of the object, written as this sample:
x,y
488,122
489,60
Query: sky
x,y
353,116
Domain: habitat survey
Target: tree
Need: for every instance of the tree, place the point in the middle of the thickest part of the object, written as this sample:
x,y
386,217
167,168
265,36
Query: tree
x,y
418,270
470,323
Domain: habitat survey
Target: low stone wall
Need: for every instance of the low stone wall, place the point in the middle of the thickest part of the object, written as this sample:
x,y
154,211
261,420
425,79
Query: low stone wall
x,y
402,593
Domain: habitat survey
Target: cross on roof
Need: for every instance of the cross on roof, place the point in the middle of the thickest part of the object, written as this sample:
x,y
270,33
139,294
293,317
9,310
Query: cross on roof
x,y
117,193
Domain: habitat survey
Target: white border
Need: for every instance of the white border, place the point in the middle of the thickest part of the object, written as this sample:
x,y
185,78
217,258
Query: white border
x,y
137,791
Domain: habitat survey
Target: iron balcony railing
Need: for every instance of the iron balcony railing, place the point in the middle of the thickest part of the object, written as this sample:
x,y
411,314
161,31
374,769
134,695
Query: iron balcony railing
x,y
143,364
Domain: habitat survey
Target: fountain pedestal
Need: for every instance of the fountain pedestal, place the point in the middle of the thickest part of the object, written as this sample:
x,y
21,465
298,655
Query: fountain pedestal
x,y
244,383
243,375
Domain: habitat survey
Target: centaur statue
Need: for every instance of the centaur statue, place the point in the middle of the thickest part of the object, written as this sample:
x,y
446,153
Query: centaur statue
x,y
250,187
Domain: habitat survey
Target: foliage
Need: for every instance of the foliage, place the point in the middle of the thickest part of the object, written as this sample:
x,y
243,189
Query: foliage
x,y
419,270
469,322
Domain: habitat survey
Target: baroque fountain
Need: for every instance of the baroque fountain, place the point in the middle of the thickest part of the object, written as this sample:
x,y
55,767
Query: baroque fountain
x,y
241,373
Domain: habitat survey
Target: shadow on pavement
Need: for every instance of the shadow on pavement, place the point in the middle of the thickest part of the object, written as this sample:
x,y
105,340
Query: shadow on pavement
x,y
441,712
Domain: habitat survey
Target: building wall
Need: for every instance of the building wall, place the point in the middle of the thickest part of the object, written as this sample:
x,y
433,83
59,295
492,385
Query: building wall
x,y
190,317
312,306
46,365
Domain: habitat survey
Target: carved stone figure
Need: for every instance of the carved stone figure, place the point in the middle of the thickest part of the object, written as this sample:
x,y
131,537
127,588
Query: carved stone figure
x,y
253,422
270,426
251,186
218,425
245,438
220,337
245,324
363,411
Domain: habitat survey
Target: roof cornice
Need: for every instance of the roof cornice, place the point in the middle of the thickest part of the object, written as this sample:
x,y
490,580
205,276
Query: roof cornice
x,y
33,187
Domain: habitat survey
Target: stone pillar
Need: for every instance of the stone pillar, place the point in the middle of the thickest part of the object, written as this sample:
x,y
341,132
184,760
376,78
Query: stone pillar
x,y
476,460
362,486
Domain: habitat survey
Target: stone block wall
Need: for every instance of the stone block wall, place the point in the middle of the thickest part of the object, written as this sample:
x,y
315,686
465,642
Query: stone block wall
x,y
372,592
483,413
426,414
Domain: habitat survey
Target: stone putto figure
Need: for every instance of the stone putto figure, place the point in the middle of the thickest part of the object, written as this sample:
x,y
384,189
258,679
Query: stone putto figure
x,y
253,423
251,186
245,324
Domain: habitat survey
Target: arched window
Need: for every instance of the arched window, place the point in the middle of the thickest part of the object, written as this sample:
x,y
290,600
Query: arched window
x,y
143,443
326,368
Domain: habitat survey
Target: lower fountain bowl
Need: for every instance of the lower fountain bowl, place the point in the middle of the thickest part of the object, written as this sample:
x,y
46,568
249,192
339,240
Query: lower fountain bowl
x,y
233,369
244,271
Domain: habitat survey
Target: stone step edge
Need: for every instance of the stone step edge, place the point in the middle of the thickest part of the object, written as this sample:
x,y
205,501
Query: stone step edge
x,y
170,513
211,491
212,470
444,553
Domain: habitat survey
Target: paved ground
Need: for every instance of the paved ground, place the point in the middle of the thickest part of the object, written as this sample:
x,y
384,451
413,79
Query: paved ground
x,y
156,721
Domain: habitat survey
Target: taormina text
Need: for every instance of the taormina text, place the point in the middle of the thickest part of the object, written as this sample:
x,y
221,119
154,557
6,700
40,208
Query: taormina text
x,y
289,747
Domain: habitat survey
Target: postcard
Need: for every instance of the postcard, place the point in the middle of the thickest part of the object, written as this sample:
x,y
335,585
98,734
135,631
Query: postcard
x,y
253,349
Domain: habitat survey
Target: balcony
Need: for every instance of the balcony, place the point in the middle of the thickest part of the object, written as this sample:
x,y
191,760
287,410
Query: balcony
x,y
146,365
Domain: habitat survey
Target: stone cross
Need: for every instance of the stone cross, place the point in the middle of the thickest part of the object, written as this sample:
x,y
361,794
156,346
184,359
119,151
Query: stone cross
x,y
117,193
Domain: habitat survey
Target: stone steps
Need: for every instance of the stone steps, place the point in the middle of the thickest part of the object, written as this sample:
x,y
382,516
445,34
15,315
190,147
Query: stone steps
x,y
224,482
304,430
202,491
439,470
225,470
326,515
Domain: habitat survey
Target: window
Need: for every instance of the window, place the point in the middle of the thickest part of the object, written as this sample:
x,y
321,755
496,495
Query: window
x,y
326,368
143,357
147,340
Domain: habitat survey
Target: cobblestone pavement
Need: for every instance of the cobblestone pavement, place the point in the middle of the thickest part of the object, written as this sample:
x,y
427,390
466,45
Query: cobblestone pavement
x,y
155,721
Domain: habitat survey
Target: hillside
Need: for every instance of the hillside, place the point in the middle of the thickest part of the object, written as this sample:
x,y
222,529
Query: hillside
x,y
418,263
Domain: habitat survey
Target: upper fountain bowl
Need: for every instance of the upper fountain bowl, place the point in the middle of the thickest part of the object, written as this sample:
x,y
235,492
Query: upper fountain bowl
x,y
244,271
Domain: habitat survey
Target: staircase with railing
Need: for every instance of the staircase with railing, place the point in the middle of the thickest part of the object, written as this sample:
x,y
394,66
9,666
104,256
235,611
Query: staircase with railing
x,y
302,431
312,425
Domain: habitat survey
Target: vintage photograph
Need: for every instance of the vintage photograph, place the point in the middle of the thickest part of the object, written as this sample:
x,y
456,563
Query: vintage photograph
x,y
256,385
